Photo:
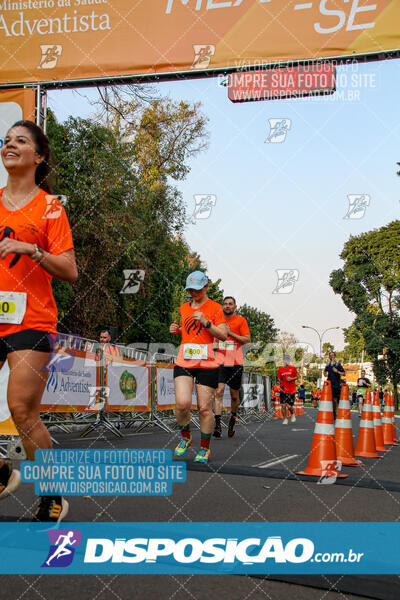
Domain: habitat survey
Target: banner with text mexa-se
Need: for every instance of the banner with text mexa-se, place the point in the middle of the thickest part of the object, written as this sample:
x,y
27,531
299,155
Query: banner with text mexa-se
x,y
69,40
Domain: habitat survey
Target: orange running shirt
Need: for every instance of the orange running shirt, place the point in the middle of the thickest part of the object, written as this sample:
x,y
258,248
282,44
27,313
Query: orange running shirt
x,y
196,350
229,353
43,222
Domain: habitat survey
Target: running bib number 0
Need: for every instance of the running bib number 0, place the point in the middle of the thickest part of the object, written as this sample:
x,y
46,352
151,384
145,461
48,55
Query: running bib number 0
x,y
195,351
12,307
227,345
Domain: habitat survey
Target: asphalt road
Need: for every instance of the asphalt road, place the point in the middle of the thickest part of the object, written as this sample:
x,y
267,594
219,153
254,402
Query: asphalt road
x,y
251,477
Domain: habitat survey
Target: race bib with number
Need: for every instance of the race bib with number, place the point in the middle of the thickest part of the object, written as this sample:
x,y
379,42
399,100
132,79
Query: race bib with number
x,y
195,351
12,307
227,345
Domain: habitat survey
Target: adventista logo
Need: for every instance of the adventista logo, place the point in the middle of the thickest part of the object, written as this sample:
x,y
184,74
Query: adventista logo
x,y
52,382
62,547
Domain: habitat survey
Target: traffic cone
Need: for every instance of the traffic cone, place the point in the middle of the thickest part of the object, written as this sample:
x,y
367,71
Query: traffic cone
x,y
376,412
302,411
296,406
395,440
323,448
278,414
344,432
387,427
365,445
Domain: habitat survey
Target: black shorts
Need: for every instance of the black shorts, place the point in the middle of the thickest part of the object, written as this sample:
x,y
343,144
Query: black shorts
x,y
29,339
232,376
286,398
336,393
208,377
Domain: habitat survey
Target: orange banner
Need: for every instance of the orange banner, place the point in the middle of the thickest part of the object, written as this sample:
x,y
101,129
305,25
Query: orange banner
x,y
70,40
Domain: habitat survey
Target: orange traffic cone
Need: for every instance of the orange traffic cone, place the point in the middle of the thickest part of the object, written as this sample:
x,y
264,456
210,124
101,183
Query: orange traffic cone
x,y
365,445
323,451
376,412
296,407
301,405
344,432
395,440
387,427
278,414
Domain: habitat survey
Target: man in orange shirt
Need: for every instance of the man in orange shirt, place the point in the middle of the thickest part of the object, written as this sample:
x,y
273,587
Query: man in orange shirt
x,y
105,341
202,320
230,358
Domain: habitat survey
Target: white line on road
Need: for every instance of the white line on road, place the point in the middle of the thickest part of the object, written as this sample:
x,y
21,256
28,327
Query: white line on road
x,y
276,461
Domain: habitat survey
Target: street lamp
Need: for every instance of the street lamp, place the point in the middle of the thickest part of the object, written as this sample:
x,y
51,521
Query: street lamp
x,y
320,335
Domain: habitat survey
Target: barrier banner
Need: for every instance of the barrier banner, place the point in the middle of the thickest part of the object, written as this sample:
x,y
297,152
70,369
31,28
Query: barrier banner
x,y
14,105
72,382
165,392
69,40
7,426
200,548
253,395
127,385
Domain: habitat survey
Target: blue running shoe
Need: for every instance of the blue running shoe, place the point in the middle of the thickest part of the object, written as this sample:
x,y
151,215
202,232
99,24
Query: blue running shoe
x,y
183,446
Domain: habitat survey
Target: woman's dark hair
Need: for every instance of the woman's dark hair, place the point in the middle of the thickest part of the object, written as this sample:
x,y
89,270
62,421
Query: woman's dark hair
x,y
42,147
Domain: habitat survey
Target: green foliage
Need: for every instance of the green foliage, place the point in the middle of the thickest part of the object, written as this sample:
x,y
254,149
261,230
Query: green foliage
x,y
369,284
261,324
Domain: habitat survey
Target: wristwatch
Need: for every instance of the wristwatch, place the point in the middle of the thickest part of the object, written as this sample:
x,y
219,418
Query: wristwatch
x,y
208,325
38,256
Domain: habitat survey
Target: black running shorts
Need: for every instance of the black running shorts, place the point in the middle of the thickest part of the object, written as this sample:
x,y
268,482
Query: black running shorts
x,y
287,398
29,339
208,377
232,376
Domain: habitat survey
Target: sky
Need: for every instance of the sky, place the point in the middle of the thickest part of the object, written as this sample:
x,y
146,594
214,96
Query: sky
x,y
281,206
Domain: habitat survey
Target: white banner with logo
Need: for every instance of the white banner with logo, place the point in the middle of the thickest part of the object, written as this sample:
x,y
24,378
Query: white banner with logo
x,y
128,387
70,384
253,395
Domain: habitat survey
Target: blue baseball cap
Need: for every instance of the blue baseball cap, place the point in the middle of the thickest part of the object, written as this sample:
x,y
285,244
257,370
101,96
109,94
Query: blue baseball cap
x,y
287,356
196,281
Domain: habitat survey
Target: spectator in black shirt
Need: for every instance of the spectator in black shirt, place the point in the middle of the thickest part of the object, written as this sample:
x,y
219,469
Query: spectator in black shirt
x,y
332,371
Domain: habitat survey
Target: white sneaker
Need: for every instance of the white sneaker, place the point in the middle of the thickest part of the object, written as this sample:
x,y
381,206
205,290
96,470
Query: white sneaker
x,y
285,421
293,418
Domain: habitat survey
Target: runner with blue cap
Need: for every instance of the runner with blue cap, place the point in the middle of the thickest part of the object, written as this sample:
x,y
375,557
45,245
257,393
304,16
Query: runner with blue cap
x,y
202,320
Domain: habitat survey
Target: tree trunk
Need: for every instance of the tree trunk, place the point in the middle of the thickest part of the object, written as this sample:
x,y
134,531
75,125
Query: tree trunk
x,y
395,395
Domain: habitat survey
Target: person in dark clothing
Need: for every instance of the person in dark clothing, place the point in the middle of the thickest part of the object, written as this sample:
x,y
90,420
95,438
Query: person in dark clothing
x,y
333,372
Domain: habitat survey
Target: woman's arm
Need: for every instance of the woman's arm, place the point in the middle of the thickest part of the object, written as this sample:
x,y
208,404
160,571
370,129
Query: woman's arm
x,y
61,266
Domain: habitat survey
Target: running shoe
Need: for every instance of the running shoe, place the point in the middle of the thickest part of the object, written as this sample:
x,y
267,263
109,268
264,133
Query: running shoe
x,y
10,481
182,447
285,421
217,430
51,508
203,455
231,426
293,418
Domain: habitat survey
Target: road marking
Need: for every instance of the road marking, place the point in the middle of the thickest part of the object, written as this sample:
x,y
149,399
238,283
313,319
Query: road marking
x,y
100,436
299,430
276,461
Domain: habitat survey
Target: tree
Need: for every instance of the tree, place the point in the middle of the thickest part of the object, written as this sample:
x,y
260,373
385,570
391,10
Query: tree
x,y
369,284
355,344
286,340
119,223
261,325
326,348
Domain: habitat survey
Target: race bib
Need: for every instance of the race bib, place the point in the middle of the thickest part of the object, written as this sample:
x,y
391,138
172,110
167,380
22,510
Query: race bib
x,y
12,307
195,351
227,345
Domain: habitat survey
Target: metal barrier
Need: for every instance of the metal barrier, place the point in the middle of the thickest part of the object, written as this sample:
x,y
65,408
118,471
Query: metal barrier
x,y
255,395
